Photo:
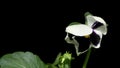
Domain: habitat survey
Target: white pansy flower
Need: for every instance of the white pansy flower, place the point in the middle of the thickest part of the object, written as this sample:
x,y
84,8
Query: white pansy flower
x,y
93,29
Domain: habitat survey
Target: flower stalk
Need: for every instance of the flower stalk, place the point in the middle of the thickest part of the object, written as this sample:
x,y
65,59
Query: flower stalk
x,y
87,58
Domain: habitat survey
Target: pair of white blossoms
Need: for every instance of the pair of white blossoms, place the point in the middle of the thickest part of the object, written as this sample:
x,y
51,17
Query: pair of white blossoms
x,y
94,28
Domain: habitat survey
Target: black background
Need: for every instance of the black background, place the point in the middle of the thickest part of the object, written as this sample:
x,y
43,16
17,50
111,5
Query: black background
x,y
40,28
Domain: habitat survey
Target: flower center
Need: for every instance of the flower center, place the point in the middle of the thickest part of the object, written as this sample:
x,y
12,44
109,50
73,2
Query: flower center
x,y
87,36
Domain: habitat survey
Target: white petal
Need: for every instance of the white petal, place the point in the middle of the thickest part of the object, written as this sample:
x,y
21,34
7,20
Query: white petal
x,y
76,44
98,45
79,30
92,19
77,47
68,40
102,29
99,19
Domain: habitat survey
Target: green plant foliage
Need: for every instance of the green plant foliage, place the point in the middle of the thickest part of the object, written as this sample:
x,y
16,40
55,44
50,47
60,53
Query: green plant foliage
x,y
21,60
65,60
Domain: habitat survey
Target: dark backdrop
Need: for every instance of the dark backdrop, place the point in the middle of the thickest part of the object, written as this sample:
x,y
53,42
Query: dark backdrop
x,y
41,29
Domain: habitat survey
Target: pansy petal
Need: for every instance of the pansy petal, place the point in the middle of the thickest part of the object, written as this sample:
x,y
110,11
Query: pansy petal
x,y
79,30
102,28
97,23
90,20
74,23
95,39
68,40
87,13
76,43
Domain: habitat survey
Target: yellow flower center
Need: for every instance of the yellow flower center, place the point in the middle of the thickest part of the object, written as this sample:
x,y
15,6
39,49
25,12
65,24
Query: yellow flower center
x,y
87,36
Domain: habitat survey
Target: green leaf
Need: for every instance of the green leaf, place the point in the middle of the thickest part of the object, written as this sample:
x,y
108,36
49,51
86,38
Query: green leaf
x,y
51,66
21,60
65,60
57,60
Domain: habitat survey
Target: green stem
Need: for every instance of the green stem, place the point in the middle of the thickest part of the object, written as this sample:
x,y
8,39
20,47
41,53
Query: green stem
x,y
87,58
